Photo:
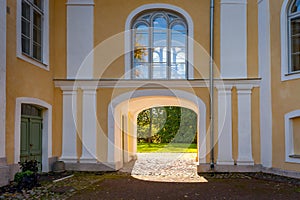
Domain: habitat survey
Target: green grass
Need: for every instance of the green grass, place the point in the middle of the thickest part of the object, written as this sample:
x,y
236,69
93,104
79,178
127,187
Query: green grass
x,y
165,147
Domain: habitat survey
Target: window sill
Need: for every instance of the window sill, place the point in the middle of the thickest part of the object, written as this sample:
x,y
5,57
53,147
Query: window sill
x,y
294,156
28,59
291,76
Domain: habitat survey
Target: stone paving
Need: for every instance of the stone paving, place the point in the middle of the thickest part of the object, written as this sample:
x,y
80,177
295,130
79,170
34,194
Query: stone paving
x,y
165,167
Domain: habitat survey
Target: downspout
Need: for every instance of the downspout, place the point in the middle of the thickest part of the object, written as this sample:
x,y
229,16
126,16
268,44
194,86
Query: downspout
x,y
211,84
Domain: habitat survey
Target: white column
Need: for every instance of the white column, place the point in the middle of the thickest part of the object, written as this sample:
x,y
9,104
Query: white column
x,y
80,38
224,126
69,151
264,62
2,79
233,41
244,125
89,126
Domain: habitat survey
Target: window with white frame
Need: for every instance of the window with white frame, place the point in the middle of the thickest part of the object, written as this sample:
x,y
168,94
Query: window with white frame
x,y
159,43
292,136
32,32
294,36
32,28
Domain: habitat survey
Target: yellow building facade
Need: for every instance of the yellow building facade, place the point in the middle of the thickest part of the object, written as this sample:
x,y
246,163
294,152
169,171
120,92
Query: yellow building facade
x,y
75,74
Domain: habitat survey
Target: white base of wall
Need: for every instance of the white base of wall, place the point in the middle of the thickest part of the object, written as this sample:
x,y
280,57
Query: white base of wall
x,y
225,162
69,159
4,177
88,160
205,168
246,162
93,167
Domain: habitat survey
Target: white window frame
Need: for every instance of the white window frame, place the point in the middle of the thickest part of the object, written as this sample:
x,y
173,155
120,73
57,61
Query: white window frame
x,y
158,6
153,14
286,74
44,64
289,136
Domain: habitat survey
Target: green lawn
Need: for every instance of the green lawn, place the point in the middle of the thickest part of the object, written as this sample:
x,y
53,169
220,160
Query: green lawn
x,y
165,147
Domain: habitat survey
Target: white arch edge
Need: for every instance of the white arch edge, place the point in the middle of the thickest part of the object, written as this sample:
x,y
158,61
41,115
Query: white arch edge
x,y
47,130
161,92
160,6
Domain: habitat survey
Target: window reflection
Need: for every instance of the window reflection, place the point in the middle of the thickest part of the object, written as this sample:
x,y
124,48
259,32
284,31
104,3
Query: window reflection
x,y
160,43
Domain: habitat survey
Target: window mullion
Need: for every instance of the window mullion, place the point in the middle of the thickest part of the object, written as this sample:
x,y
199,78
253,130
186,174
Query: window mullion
x,y
31,32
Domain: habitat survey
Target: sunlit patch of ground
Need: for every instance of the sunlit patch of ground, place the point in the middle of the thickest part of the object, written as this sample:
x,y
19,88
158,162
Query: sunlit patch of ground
x,y
167,167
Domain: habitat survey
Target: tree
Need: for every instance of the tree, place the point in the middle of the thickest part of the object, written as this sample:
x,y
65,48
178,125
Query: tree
x,y
167,124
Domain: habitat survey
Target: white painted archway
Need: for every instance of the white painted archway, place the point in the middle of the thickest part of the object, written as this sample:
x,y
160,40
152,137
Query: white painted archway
x,y
140,100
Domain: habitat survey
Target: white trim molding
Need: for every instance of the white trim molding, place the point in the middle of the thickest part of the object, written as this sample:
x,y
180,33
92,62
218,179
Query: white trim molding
x,y
45,37
2,77
47,129
80,39
285,74
128,33
233,40
289,138
264,62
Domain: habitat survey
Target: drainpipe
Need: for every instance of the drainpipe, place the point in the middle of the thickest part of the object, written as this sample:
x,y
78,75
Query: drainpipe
x,y
211,84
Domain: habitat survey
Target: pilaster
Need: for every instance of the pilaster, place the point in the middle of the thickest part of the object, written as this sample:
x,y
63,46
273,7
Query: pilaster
x,y
89,125
224,126
244,125
69,151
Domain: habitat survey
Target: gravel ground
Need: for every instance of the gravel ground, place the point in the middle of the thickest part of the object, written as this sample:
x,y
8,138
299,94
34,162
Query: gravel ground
x,y
161,176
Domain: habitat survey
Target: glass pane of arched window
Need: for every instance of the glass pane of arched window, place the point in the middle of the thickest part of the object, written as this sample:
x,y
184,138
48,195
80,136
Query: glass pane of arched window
x,y
296,6
178,37
160,22
159,53
295,44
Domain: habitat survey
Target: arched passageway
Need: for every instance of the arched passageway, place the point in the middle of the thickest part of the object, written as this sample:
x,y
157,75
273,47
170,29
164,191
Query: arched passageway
x,y
122,120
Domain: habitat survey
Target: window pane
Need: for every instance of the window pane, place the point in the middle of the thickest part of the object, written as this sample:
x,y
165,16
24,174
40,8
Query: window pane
x,y
159,39
37,52
25,10
296,43
25,45
38,3
159,71
142,28
159,54
178,55
296,62
141,71
25,28
142,39
37,36
178,71
296,6
178,39
295,26
160,23
37,19
179,28
141,54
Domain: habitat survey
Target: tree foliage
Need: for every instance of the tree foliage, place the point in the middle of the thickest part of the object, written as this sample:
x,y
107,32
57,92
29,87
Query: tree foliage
x,y
167,124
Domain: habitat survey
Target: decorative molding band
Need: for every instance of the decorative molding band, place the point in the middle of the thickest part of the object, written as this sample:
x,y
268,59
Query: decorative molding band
x,y
80,3
68,84
233,2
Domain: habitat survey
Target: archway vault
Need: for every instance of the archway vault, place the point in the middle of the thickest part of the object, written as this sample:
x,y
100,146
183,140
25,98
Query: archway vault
x,y
122,120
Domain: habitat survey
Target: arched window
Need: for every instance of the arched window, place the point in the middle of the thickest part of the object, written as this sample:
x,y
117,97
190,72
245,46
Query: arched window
x,y
159,44
294,36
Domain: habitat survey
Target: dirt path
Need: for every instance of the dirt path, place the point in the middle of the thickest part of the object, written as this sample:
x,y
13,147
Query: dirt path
x,y
174,176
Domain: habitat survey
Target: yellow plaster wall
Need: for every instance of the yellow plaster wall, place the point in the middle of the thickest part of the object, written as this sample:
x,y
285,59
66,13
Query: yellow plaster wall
x,y
22,80
252,38
285,95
